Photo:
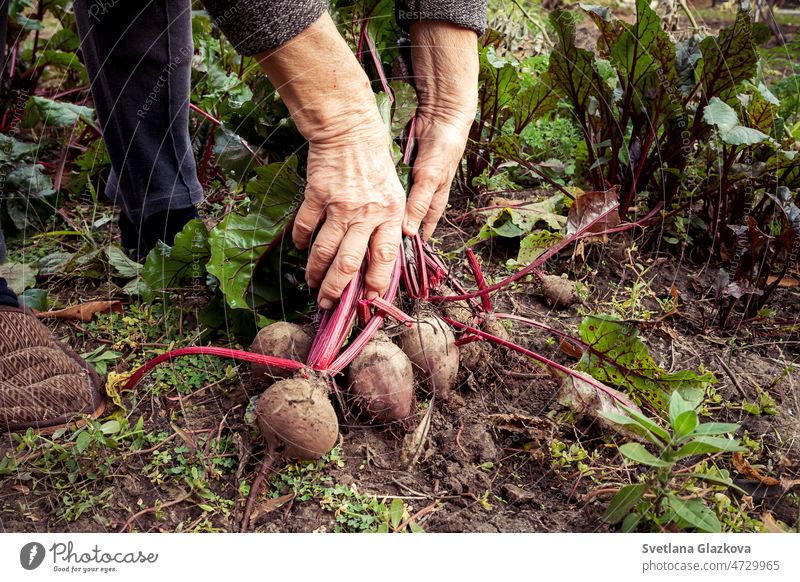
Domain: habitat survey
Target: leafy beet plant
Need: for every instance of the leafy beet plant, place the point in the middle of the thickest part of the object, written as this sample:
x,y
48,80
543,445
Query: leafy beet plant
x,y
685,131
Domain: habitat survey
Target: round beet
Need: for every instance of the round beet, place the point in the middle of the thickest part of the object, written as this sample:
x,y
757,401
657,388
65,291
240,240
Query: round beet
x,y
431,346
559,292
296,418
381,381
282,340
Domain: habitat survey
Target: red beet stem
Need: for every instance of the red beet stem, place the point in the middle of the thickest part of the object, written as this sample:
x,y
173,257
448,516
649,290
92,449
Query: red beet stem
x,y
540,260
479,280
271,361
375,322
549,363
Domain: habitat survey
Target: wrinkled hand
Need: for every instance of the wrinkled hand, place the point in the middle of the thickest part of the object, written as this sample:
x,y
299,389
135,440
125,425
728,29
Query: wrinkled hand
x,y
355,200
445,62
441,138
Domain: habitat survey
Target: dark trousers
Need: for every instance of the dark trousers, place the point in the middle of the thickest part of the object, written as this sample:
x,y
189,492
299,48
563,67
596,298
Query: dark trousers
x,y
138,55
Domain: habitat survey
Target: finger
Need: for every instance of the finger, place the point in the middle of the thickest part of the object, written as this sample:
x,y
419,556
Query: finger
x,y
436,210
383,254
306,221
419,199
345,265
323,251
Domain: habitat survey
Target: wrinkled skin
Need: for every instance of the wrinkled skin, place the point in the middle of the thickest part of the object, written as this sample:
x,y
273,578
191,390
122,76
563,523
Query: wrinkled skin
x,y
354,201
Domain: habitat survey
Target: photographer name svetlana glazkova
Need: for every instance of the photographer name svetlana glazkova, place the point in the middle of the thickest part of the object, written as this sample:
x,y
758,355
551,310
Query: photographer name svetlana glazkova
x,y
64,553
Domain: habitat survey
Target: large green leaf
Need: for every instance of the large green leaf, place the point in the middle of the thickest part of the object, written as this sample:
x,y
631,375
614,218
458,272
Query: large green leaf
x,y
610,28
499,80
571,68
644,50
625,500
728,59
695,513
617,356
239,241
54,113
536,98
168,267
637,453
724,118
513,219
762,109
19,276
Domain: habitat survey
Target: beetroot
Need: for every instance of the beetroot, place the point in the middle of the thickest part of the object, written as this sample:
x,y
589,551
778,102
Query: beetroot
x,y
381,381
297,419
282,340
431,346
559,292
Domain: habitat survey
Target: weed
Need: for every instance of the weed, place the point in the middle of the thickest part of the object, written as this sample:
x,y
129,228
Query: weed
x,y
666,495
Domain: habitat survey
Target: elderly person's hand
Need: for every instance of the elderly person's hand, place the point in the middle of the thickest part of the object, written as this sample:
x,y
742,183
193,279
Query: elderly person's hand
x,y
445,64
353,198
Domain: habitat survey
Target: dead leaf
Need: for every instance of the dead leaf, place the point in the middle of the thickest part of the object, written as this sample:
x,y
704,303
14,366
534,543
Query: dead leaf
x,y
772,525
83,312
744,468
786,282
413,442
269,506
570,349
589,206
188,439
536,427
589,397
789,484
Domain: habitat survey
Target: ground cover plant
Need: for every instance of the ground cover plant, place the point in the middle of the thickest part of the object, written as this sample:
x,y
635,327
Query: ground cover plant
x,y
601,335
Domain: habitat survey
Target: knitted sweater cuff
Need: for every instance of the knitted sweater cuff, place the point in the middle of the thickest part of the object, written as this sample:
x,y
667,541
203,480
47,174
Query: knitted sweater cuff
x,y
254,26
465,13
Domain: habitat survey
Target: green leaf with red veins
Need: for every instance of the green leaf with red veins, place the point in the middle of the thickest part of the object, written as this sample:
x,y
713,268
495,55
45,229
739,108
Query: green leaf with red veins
x,y
728,59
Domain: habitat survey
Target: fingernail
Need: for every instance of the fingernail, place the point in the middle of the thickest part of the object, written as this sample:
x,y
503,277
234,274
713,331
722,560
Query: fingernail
x,y
412,226
325,304
371,295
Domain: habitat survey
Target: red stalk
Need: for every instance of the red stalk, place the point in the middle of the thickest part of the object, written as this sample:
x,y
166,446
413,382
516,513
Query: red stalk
x,y
209,149
208,116
375,322
379,67
411,140
336,327
424,290
479,279
443,273
281,363
533,323
540,260
389,309
364,314
549,363
409,273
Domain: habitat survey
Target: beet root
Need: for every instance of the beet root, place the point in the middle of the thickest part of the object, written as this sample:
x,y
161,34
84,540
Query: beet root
x,y
297,419
282,340
431,346
381,381
559,292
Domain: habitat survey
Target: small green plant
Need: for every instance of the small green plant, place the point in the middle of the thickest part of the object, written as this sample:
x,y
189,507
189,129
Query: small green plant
x,y
574,454
668,494
352,510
